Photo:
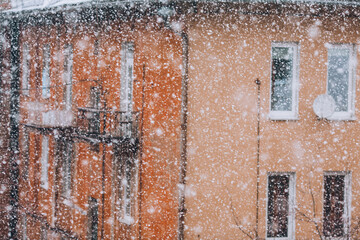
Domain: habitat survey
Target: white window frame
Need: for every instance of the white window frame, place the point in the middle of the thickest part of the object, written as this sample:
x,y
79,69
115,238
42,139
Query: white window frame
x,y
126,85
45,162
45,76
124,206
25,69
350,113
292,204
67,76
347,200
293,114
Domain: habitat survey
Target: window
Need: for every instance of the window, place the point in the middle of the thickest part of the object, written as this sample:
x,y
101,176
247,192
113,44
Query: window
x,y
68,65
25,70
1,62
336,204
43,233
125,177
24,144
94,121
24,227
67,156
284,81
341,80
126,88
93,219
44,162
46,72
280,206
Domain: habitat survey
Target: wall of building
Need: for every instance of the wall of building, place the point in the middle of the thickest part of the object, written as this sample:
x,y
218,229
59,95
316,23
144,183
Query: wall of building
x,y
228,51
5,77
157,84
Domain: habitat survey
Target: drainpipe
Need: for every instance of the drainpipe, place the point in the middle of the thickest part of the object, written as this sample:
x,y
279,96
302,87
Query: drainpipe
x,y
141,137
103,175
14,127
258,83
183,140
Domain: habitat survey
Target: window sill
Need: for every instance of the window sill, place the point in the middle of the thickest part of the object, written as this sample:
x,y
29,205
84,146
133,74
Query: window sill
x,y
283,116
279,238
342,116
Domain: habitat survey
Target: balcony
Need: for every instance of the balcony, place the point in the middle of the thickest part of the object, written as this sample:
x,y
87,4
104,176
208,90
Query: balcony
x,y
106,125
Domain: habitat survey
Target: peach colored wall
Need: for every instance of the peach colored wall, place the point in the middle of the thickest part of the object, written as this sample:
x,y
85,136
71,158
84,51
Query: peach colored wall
x,y
227,53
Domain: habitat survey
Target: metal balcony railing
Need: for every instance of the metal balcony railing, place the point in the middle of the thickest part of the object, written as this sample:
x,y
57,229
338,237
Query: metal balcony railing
x,y
107,124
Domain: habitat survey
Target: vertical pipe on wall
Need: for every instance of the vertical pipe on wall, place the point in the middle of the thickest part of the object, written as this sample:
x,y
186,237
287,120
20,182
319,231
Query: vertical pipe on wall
x,y
14,126
258,83
183,140
141,148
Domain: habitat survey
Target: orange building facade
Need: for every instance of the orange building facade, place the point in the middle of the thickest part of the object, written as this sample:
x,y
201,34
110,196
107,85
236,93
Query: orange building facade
x,y
186,120
100,125
5,129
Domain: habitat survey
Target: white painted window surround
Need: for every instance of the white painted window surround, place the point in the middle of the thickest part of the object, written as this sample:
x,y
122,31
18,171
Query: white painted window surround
x,y
46,72
291,205
68,70
25,70
341,78
126,85
284,86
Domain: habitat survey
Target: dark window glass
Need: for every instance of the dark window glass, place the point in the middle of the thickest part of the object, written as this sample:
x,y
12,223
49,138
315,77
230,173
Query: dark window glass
x,y
334,204
93,219
338,77
281,79
1,62
278,206
94,121
67,156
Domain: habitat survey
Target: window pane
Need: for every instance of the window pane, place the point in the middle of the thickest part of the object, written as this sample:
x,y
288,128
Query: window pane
x,y
338,77
1,62
126,88
278,206
334,205
93,219
46,72
281,78
25,69
67,168
44,161
68,66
